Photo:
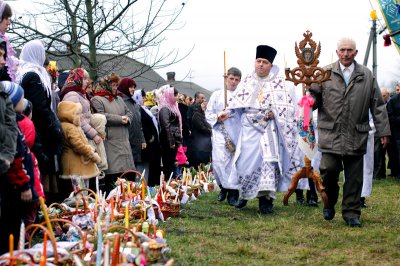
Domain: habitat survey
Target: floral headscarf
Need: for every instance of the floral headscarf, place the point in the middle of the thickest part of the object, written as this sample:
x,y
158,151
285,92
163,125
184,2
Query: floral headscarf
x,y
74,82
150,99
137,97
103,88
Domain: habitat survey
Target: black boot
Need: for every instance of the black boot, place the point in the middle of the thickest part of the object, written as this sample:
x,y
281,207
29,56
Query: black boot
x,y
265,205
232,197
312,197
241,203
222,194
362,202
299,196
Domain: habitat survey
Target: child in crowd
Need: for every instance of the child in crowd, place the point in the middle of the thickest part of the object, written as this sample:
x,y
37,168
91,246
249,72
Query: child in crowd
x,y
78,158
28,129
18,184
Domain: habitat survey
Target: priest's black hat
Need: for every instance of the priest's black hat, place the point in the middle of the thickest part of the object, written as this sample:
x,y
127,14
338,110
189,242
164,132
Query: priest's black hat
x,y
266,52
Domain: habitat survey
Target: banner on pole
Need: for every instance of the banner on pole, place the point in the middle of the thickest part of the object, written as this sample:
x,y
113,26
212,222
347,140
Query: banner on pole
x,y
390,11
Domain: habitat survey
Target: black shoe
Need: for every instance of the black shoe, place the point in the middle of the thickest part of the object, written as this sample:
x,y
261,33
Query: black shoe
x,y
265,205
312,203
353,222
232,197
222,194
329,214
312,198
241,203
299,197
362,203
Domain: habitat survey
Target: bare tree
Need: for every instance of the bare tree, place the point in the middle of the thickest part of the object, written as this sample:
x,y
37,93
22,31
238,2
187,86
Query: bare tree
x,y
82,29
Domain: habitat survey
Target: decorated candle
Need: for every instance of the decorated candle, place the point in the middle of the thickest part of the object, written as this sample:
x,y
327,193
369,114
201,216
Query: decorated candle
x,y
107,253
99,244
21,243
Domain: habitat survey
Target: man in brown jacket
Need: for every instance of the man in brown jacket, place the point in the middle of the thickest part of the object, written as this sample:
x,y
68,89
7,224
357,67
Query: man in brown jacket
x,y
343,104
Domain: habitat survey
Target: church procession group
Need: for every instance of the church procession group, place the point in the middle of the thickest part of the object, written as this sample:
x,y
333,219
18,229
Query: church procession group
x,y
255,133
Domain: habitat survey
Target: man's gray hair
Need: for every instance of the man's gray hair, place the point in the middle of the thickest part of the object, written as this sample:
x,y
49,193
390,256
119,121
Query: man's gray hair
x,y
346,40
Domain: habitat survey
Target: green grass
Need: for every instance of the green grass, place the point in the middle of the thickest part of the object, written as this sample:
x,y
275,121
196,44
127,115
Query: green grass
x,y
211,233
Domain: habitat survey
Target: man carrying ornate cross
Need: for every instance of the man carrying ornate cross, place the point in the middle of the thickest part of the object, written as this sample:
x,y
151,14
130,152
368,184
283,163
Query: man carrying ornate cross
x,y
265,156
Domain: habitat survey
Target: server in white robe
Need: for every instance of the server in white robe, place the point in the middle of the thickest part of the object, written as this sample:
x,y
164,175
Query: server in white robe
x,y
225,133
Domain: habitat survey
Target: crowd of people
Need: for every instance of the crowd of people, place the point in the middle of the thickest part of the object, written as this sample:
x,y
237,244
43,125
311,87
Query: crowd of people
x,y
56,131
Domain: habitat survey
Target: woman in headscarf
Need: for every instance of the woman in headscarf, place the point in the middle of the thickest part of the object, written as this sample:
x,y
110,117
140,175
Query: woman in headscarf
x,y
35,81
151,156
119,154
171,127
8,71
74,91
136,138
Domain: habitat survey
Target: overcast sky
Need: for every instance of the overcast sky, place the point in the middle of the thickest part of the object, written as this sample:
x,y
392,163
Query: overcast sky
x,y
239,26
212,26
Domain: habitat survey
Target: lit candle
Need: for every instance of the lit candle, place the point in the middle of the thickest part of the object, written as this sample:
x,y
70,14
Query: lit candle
x,y
11,244
21,243
46,215
127,215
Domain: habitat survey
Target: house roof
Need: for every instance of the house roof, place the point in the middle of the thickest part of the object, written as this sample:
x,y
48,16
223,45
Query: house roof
x,y
145,77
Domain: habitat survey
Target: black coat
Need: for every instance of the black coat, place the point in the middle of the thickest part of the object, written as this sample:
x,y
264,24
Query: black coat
x,y
201,132
47,125
170,133
393,110
183,108
152,153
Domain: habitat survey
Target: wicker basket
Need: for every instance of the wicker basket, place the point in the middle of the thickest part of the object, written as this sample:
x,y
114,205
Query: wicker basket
x,y
170,209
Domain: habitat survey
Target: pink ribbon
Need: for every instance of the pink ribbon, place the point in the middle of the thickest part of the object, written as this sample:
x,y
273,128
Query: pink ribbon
x,y
306,102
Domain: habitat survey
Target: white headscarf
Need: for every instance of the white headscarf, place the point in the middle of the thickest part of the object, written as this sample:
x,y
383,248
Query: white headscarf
x,y
32,59
138,98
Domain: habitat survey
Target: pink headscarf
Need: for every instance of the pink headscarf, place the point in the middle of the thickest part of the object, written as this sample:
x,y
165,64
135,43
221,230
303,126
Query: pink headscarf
x,y
167,99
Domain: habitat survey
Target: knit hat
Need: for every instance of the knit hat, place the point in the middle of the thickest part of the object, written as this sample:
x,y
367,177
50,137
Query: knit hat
x,y
14,91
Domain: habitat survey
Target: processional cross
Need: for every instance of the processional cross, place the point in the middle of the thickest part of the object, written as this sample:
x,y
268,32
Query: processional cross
x,y
307,73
